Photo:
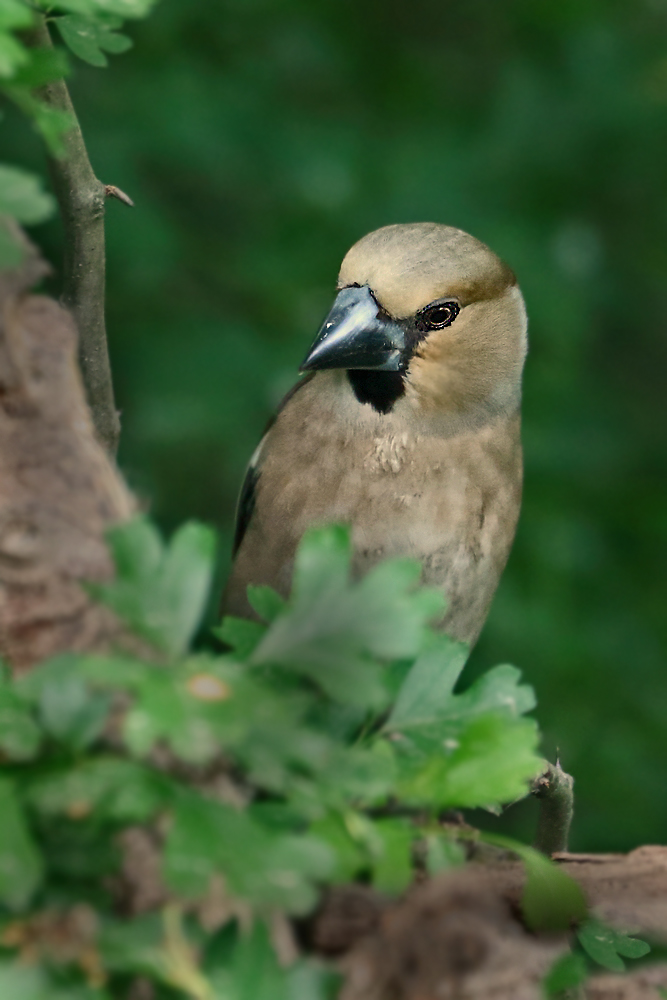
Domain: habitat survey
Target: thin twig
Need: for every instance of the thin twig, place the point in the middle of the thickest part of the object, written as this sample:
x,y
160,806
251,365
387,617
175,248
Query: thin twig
x,y
81,197
111,191
555,791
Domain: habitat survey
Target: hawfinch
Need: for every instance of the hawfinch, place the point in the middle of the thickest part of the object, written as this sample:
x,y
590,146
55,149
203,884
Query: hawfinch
x,y
406,426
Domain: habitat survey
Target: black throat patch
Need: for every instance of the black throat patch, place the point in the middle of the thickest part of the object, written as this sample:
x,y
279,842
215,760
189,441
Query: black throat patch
x,y
380,389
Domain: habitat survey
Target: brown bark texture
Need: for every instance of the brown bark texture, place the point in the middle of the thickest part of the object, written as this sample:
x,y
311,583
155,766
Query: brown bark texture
x,y
460,937
59,492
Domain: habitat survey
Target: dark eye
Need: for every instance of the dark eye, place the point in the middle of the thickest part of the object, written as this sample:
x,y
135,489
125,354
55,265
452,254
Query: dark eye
x,y
438,315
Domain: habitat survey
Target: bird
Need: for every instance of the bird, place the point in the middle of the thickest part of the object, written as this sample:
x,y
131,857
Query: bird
x,y
405,425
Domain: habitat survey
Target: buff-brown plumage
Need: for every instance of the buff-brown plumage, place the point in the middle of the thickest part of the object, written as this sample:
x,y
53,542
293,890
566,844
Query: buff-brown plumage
x,y
438,476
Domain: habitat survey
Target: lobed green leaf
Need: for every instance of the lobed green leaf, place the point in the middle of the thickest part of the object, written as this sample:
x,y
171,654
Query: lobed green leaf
x,y
89,39
605,945
160,591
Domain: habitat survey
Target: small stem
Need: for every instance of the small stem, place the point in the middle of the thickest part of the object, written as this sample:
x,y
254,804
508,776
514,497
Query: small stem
x,y
555,791
81,197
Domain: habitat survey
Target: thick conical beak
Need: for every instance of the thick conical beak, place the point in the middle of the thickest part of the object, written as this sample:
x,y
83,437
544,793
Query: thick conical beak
x,y
355,335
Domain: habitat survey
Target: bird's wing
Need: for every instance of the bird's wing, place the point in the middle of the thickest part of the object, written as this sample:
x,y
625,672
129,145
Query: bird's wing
x,y
247,496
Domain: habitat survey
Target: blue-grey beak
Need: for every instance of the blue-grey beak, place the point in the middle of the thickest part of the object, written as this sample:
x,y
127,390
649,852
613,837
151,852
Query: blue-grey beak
x,y
356,335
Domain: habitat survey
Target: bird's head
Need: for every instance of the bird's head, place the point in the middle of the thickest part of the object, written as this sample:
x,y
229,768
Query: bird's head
x,y
437,308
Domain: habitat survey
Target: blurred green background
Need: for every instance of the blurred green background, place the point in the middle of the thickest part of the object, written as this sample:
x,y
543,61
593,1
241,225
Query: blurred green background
x,y
260,138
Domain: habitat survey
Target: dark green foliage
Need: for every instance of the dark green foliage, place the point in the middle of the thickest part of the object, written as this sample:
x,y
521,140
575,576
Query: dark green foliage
x,y
567,972
266,771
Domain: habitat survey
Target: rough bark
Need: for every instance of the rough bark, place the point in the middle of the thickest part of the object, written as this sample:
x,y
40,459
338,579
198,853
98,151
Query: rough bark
x,y
59,492
460,937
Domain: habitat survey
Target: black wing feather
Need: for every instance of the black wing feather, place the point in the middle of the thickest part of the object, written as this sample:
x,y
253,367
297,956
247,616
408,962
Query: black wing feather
x,y
248,495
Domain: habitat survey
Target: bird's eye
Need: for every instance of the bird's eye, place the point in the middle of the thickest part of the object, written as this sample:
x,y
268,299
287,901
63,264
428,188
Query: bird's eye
x,y
438,315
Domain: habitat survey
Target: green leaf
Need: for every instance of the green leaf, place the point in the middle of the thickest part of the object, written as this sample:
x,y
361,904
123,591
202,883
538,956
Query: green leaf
x,y
241,635
15,15
566,973
109,787
160,591
332,628
20,736
427,707
72,713
21,982
22,196
309,980
267,869
134,946
606,946
349,857
443,853
392,863
163,710
21,865
87,38
552,901
427,692
18,981
13,55
102,9
43,66
251,970
490,763
266,602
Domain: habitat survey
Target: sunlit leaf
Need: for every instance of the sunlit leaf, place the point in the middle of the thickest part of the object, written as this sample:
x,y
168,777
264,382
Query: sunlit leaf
x,y
490,763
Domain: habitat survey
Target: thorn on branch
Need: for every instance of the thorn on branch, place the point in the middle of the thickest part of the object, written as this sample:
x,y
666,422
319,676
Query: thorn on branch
x,y
111,191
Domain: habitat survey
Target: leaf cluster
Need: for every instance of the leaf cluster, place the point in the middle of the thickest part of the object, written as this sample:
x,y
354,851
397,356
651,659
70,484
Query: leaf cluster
x,y
321,746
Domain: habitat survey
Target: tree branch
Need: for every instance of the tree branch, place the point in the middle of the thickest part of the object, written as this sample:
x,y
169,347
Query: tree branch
x,y
81,197
554,789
